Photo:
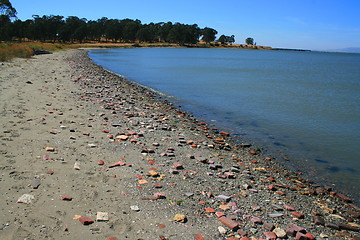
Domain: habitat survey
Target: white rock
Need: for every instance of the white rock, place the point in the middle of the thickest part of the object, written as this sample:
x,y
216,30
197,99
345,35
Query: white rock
x,y
102,216
26,198
222,230
135,208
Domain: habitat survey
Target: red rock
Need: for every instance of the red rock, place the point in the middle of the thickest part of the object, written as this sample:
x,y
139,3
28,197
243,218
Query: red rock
x,y
343,197
300,236
297,214
159,195
256,220
178,165
209,210
224,133
318,220
229,223
106,131
46,157
66,198
271,187
296,228
50,172
111,238
232,238
271,179
220,214
244,238
120,163
288,207
101,162
310,236
199,237
86,220
157,185
161,225
270,235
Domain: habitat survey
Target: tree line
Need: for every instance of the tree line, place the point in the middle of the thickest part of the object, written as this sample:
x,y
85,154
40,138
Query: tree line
x,y
73,29
55,28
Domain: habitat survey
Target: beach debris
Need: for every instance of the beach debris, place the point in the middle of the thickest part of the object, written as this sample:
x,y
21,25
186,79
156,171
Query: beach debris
x,y
26,198
102,216
229,223
120,163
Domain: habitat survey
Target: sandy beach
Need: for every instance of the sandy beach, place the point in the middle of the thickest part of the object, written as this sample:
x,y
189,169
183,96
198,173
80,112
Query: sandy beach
x,y
88,155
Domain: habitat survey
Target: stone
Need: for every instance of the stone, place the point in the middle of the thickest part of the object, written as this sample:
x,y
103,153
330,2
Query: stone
x,y
256,220
120,163
229,223
280,233
209,210
178,165
160,195
348,227
296,227
276,214
26,198
268,226
223,197
318,220
135,208
297,215
180,218
288,207
300,236
77,166
332,226
49,149
270,235
35,183
66,197
102,216
221,230
86,220
199,237
343,197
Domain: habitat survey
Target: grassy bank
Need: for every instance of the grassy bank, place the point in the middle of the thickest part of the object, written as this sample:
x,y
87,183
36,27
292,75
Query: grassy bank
x,y
10,50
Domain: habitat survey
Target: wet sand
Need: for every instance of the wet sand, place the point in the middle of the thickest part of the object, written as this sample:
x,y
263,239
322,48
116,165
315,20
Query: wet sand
x,y
95,156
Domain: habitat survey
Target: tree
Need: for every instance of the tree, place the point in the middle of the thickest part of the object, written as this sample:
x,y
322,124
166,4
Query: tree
x,y
7,9
208,34
249,41
226,39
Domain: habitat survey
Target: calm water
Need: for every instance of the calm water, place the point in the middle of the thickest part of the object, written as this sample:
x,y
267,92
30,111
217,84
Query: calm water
x,y
304,106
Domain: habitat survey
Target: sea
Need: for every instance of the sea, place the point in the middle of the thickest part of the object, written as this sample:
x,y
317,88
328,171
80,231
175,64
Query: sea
x,y
301,107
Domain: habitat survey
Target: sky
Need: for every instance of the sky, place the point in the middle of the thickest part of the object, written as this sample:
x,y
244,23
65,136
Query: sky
x,y
300,24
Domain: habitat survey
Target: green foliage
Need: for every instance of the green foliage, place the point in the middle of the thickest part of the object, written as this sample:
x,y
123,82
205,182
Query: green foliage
x,y
249,41
7,9
208,34
226,39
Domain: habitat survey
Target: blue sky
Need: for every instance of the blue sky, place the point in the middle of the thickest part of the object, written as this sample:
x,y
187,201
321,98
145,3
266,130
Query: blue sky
x,y
307,24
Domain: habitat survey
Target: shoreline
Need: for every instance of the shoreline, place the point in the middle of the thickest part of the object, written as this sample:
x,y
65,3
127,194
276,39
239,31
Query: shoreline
x,y
158,162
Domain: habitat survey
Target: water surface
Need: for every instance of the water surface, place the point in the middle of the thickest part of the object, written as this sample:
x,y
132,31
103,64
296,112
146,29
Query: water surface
x,y
304,106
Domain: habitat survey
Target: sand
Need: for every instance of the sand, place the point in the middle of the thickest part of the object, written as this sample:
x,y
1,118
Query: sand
x,y
94,156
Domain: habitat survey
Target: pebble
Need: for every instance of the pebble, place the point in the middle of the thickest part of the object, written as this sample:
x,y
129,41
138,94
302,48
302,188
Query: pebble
x,y
135,208
102,216
77,166
180,218
26,198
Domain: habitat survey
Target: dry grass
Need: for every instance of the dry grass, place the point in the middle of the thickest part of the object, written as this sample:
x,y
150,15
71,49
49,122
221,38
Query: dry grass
x,y
9,50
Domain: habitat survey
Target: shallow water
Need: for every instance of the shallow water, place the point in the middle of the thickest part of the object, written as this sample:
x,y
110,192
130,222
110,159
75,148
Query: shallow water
x,y
304,106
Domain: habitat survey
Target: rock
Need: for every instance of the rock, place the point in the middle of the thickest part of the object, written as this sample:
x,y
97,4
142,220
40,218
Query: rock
x,y
86,220
209,210
26,198
318,220
229,223
178,165
77,166
35,183
223,197
120,163
268,226
275,214
297,215
256,220
222,230
332,226
280,233
199,237
102,216
343,197
288,207
270,235
101,162
180,218
66,198
135,208
300,236
49,149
